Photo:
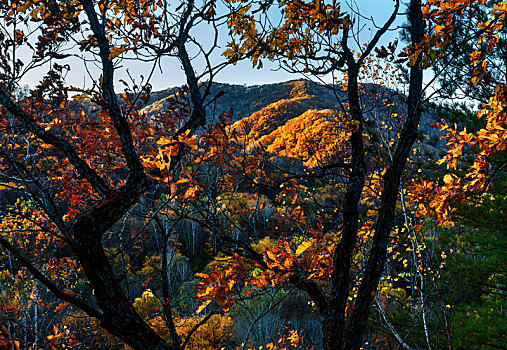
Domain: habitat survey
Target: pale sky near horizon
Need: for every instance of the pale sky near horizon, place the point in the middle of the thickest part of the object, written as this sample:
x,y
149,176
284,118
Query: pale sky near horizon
x,y
243,73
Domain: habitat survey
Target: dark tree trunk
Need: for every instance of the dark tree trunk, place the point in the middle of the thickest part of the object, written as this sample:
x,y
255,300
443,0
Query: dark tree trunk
x,y
119,316
339,333
334,324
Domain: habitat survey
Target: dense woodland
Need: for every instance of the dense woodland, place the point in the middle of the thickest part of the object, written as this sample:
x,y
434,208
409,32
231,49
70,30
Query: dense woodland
x,y
361,205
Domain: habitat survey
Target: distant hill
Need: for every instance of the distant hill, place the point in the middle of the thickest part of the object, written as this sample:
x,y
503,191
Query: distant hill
x,y
246,100
316,137
288,99
271,114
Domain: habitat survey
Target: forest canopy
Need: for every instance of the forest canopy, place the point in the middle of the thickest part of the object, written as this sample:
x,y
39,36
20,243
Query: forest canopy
x,y
360,205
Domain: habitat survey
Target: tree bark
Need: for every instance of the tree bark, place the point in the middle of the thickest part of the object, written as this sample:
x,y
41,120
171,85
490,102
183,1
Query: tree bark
x,y
334,324
335,329
392,179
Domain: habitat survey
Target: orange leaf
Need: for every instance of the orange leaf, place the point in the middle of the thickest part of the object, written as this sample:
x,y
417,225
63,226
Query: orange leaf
x,y
61,306
202,306
116,51
190,193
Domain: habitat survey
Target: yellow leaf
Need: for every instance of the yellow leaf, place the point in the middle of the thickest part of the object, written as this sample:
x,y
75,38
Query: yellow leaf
x,y
447,179
413,57
163,141
24,7
190,193
271,255
182,181
202,306
303,247
35,12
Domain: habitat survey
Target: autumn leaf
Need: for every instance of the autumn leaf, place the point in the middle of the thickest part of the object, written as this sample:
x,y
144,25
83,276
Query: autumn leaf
x,y
116,51
303,247
413,57
190,192
202,306
61,306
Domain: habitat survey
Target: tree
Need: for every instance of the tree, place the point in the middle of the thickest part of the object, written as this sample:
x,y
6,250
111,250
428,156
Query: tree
x,y
81,173
308,40
73,170
313,49
456,65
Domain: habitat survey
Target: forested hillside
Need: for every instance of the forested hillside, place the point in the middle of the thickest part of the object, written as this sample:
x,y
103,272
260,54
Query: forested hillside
x,y
360,205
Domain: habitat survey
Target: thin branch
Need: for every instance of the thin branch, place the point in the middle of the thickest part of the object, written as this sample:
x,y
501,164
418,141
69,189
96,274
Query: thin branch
x,y
48,283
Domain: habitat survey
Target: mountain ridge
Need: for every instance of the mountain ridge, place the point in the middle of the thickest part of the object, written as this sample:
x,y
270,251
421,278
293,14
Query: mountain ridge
x,y
261,109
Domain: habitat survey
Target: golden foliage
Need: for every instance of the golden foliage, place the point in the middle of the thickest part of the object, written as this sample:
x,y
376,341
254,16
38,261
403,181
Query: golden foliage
x,y
216,333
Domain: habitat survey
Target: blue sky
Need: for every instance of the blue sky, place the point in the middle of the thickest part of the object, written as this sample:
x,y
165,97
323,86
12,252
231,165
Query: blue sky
x,y
378,10
243,72
171,73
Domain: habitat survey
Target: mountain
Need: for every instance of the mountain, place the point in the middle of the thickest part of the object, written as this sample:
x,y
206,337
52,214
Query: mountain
x,y
246,100
316,137
301,118
285,100
259,110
